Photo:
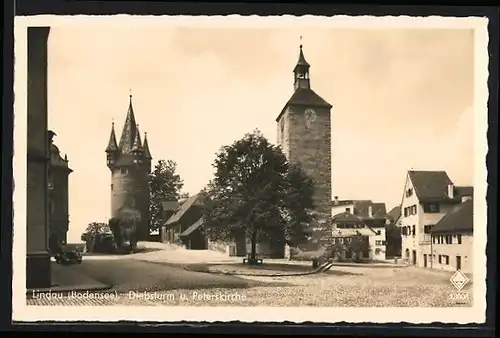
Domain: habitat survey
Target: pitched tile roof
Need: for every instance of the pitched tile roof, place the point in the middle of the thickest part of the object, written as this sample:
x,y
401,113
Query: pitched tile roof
x,y
305,97
395,213
192,227
433,186
184,207
346,217
460,218
170,205
361,209
430,184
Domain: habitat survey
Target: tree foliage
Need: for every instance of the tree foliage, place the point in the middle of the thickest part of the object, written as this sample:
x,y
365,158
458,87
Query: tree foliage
x,y
124,228
95,229
393,235
164,185
98,237
256,193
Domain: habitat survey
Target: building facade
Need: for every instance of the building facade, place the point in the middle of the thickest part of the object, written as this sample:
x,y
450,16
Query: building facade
x,y
130,164
346,227
427,197
373,217
38,270
452,239
59,172
304,133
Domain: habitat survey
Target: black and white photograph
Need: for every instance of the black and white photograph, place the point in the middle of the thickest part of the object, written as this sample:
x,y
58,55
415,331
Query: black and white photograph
x,y
250,168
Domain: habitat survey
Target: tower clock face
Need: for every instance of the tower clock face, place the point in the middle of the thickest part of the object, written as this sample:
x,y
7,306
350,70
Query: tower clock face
x,y
310,117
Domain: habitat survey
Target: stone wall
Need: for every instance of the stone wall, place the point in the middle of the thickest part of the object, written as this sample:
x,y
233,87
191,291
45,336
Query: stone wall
x,y
130,187
310,146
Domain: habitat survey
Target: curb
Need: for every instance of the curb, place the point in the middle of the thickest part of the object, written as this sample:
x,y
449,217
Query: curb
x,y
321,269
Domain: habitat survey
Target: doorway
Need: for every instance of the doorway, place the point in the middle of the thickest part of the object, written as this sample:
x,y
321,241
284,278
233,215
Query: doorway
x,y
459,263
425,260
414,256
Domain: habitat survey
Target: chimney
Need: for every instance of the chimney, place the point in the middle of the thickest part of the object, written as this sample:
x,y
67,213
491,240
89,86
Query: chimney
x,y
370,211
336,200
451,191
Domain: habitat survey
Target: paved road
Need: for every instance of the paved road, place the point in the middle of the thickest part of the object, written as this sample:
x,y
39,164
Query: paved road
x,y
127,275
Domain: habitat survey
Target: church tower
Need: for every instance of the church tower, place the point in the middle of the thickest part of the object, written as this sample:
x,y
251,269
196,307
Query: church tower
x,y
130,164
304,133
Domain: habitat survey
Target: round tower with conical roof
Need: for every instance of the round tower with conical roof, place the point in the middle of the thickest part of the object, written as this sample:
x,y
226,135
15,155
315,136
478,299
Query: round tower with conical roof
x,y
130,164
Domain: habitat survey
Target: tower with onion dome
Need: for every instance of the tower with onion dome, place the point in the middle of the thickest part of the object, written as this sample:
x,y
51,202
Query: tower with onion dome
x,y
130,164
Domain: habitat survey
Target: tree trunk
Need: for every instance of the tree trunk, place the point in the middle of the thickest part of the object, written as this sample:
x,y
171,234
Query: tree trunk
x,y
254,246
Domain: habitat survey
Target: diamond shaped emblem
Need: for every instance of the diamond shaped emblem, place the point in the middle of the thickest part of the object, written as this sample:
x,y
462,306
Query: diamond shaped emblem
x,y
459,280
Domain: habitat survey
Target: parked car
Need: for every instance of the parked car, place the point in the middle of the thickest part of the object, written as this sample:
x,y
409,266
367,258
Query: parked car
x,y
67,258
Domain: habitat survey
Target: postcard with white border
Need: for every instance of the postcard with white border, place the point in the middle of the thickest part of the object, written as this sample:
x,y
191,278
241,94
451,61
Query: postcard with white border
x,y
253,169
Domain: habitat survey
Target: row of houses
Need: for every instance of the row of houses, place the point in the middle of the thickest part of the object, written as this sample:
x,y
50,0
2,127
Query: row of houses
x,y
183,223
434,218
436,222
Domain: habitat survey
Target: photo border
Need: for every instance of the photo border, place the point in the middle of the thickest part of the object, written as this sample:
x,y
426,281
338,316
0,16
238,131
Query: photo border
x,y
132,8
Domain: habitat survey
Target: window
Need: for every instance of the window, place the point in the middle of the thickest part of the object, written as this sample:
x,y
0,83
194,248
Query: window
x,y
123,171
409,192
347,209
459,239
448,239
405,212
378,242
111,187
413,209
439,259
447,260
427,229
431,208
413,230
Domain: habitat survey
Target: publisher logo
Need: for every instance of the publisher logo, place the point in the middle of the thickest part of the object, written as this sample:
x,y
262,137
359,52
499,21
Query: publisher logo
x,y
459,280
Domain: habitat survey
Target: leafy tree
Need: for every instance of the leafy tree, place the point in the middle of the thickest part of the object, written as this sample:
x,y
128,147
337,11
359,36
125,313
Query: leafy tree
x,y
393,235
95,234
94,230
257,194
164,185
358,244
336,249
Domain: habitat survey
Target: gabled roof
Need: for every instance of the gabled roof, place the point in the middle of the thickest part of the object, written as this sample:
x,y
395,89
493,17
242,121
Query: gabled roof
x,y
394,214
432,186
192,228
170,205
184,207
346,217
460,218
361,209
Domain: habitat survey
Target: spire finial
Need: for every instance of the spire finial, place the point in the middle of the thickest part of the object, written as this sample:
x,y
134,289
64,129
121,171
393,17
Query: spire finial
x,y
300,38
130,93
113,122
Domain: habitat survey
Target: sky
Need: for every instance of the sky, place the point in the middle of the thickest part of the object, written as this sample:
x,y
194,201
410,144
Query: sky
x,y
402,99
